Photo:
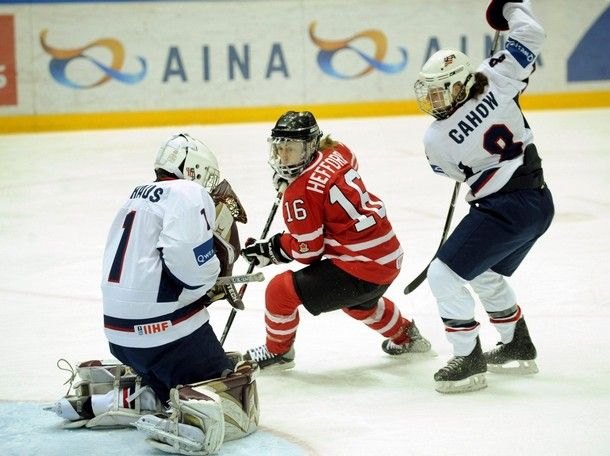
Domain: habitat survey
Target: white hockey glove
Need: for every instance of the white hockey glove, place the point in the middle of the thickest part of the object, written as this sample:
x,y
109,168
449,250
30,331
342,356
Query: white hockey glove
x,y
279,182
265,252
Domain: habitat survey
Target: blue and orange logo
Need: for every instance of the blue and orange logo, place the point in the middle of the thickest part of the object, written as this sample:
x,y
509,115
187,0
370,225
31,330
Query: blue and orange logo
x,y
62,58
329,48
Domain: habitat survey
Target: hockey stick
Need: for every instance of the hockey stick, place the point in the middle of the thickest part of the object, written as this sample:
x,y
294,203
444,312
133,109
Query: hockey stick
x,y
456,190
422,275
242,290
228,285
242,278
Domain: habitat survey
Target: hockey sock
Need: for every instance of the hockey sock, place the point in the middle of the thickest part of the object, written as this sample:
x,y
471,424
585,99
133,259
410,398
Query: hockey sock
x,y
462,334
505,321
385,318
281,313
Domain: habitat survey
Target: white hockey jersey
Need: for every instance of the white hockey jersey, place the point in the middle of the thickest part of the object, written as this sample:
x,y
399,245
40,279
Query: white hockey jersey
x,y
482,142
159,260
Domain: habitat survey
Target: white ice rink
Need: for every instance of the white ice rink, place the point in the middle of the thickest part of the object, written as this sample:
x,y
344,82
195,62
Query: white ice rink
x,y
59,193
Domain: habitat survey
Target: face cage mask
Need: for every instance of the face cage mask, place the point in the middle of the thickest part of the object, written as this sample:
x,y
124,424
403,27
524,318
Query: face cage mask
x,y
423,97
291,171
211,178
450,104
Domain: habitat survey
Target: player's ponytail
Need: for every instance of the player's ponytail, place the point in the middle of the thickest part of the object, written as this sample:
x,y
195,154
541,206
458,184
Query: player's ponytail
x,y
480,82
327,142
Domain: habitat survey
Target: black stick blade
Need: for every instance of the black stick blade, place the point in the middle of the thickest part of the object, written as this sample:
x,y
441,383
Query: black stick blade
x,y
417,281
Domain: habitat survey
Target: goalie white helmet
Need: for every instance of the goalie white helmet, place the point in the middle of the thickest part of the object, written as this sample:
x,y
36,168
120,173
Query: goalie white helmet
x,y
190,159
444,83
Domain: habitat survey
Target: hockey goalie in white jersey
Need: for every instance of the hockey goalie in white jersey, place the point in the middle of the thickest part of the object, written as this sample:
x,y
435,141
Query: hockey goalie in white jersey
x,y
166,248
481,137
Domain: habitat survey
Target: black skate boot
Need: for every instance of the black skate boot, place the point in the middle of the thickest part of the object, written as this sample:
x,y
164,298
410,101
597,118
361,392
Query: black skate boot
x,y
515,357
268,361
463,373
416,343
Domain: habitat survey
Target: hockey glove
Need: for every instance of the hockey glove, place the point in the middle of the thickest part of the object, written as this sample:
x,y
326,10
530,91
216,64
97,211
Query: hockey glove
x,y
265,252
279,182
494,15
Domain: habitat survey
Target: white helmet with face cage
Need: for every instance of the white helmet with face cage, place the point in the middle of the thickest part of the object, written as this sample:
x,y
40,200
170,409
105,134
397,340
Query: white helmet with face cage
x,y
188,158
444,83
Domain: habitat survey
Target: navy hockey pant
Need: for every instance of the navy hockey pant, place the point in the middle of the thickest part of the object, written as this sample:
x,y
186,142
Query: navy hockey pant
x,y
498,232
194,358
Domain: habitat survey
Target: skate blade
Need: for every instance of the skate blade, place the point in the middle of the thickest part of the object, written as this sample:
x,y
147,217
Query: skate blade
x,y
514,367
415,348
419,346
473,383
275,368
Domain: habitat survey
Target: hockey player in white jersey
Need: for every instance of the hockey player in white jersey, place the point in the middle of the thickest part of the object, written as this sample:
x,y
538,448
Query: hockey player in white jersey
x,y
162,259
481,137
159,263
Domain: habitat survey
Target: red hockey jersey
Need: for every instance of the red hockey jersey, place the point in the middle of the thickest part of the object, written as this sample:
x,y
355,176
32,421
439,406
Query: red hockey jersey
x,y
329,213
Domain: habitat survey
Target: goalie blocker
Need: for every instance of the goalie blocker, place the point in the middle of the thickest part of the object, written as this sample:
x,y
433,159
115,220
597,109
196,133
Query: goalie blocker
x,y
200,418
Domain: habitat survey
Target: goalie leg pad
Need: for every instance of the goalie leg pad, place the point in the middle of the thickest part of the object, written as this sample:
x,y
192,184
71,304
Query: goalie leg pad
x,y
171,436
221,410
196,426
90,378
104,395
239,397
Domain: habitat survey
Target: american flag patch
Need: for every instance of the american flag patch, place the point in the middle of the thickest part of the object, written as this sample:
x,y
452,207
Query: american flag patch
x,y
448,60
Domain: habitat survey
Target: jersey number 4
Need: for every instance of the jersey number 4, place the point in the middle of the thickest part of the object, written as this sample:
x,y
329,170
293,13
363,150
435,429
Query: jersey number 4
x,y
361,214
119,257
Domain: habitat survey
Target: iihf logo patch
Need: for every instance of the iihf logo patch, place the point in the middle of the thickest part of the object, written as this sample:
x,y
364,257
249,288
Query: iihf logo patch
x,y
152,328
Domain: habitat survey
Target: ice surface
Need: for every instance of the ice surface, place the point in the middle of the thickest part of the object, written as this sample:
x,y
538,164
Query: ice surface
x,y
59,193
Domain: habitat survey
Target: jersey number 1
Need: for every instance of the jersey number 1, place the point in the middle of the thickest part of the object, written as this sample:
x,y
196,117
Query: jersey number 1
x,y
119,257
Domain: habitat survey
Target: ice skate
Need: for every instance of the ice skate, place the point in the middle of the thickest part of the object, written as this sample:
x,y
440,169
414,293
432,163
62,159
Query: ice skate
x,y
73,408
515,357
235,357
268,361
416,343
463,373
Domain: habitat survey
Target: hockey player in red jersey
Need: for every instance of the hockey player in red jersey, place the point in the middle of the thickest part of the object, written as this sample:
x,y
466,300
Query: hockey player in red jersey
x,y
340,231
